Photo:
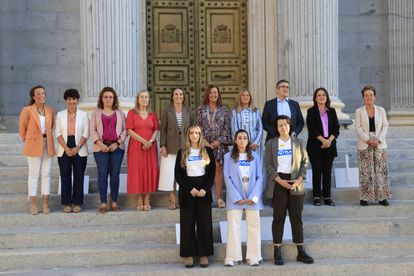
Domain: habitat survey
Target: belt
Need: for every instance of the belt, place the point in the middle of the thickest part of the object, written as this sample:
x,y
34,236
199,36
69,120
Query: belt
x,y
44,135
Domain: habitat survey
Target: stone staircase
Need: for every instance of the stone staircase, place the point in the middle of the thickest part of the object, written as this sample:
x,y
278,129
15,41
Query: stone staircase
x,y
344,240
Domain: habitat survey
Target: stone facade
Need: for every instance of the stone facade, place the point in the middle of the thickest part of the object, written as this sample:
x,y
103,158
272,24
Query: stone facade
x,y
41,43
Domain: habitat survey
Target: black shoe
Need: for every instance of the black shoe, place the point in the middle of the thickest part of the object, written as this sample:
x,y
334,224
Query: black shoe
x,y
302,256
317,201
329,202
363,202
277,253
384,202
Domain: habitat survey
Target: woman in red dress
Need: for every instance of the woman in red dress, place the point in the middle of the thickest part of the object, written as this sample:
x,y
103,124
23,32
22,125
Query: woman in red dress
x,y
142,126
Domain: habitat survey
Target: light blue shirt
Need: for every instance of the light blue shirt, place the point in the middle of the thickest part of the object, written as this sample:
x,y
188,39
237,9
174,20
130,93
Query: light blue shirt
x,y
250,121
283,107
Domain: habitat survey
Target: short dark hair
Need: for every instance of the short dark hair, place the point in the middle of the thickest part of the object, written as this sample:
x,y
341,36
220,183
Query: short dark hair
x,y
71,93
172,93
32,91
328,100
283,117
115,104
281,81
368,87
207,93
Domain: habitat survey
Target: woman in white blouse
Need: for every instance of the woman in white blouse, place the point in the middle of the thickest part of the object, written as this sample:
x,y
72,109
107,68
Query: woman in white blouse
x,y
72,131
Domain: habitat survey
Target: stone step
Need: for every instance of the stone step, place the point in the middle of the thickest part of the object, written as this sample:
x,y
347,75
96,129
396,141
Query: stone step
x,y
91,217
402,266
122,254
65,236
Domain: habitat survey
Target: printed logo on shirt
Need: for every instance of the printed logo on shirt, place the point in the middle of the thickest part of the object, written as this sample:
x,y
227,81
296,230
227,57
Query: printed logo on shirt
x,y
244,163
194,158
283,152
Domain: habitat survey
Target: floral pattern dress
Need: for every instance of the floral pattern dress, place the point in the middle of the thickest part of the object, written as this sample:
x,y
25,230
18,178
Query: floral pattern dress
x,y
216,125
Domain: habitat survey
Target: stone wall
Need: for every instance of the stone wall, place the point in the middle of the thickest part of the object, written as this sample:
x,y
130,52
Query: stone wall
x,y
39,44
363,51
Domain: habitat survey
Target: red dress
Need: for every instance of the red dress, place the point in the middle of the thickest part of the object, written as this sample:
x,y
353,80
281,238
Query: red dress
x,y
142,164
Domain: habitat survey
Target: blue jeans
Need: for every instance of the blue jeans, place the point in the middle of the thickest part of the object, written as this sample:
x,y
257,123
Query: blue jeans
x,y
109,163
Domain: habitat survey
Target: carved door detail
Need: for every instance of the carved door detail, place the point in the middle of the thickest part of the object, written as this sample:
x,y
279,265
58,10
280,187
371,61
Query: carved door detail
x,y
194,43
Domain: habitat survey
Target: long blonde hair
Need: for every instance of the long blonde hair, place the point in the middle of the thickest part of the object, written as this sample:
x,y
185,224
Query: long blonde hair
x,y
201,146
239,104
136,108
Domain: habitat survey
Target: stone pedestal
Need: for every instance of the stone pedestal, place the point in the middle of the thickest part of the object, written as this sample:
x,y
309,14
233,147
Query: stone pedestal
x,y
113,50
307,37
401,58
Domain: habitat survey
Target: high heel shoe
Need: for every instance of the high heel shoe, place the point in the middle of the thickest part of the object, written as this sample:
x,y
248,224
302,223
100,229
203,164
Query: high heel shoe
x,y
45,205
33,210
147,206
140,205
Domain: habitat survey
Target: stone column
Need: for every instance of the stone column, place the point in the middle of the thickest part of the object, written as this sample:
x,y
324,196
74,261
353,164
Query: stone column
x,y
307,37
113,49
401,58
262,47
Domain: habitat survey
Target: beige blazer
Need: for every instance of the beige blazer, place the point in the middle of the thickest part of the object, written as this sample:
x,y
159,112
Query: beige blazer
x,y
169,133
81,129
362,127
31,132
300,162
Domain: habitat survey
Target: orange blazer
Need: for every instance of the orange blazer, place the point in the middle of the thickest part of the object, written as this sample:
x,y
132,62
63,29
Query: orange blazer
x,y
31,132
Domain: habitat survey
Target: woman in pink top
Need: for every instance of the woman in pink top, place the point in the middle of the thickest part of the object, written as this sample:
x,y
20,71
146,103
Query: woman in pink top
x,y
142,125
108,133
323,128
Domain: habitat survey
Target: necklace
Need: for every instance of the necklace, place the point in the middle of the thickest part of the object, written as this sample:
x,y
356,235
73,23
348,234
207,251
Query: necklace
x,y
72,114
41,112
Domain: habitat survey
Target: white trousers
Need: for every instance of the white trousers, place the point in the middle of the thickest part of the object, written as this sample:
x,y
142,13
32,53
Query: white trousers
x,y
253,242
36,165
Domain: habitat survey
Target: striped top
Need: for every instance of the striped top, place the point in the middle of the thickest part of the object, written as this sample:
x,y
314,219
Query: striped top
x,y
179,116
250,121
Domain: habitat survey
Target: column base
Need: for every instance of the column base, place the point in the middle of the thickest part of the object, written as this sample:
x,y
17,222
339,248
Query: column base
x,y
401,118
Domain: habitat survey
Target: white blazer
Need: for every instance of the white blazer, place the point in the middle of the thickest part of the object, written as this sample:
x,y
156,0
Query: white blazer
x,y
81,129
362,127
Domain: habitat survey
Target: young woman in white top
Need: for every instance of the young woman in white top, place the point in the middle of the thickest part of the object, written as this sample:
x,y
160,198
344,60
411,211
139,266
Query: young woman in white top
x,y
194,172
286,162
243,175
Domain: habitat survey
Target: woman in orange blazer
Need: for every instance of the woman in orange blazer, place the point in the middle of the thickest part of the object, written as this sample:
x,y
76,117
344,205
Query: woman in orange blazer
x,y
35,129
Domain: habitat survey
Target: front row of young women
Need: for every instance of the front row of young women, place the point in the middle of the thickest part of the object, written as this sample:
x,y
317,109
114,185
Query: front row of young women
x,y
285,162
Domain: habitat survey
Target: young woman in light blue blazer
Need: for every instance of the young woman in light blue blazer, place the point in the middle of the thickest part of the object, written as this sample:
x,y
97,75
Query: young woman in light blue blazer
x,y
243,175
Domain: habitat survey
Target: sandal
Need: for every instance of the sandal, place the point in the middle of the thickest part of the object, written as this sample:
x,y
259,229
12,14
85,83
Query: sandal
x,y
102,208
115,207
66,209
147,207
33,210
172,205
140,205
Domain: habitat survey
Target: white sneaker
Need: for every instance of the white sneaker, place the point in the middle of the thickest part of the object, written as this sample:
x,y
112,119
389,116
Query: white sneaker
x,y
221,203
229,263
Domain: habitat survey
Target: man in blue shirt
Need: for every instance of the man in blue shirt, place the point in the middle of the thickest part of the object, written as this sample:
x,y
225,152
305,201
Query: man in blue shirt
x,y
282,105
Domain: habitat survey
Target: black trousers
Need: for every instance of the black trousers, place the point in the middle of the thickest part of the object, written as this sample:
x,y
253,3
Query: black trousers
x,y
196,234
321,170
67,165
284,202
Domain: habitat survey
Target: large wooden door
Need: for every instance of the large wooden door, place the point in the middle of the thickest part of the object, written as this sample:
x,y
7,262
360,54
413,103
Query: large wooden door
x,y
194,43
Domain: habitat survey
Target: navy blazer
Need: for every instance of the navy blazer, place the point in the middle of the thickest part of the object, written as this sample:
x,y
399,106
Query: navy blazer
x,y
315,128
270,113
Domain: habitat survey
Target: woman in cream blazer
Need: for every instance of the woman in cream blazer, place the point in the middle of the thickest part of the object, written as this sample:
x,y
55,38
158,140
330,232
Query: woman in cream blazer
x,y
72,131
371,126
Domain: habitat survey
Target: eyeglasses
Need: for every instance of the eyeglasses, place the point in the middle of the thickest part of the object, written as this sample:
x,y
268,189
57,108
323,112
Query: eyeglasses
x,y
108,97
284,86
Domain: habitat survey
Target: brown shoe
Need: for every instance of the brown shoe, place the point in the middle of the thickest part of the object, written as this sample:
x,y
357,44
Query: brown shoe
x,y
66,209
115,207
76,209
33,210
204,261
189,262
102,208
